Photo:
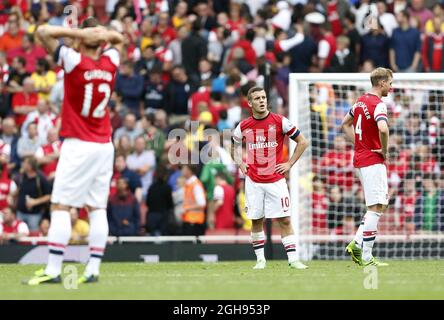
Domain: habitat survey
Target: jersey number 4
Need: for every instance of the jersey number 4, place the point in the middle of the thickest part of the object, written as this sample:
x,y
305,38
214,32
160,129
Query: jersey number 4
x,y
99,111
358,129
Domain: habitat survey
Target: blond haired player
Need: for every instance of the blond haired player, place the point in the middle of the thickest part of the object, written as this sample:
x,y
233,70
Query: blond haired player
x,y
366,125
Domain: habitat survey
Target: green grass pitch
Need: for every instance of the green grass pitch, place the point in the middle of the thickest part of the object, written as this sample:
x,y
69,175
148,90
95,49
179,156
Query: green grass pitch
x,y
423,279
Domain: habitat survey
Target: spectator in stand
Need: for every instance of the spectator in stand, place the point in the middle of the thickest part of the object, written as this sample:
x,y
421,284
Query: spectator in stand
x,y
178,198
438,12
12,229
326,47
177,93
123,211
10,137
44,78
418,9
43,229
337,166
4,68
27,146
282,19
47,155
160,204
405,46
17,75
361,14
29,51
224,201
375,47
133,179
80,228
153,92
57,93
24,102
429,210
129,129
161,121
336,210
411,132
432,48
124,145
12,38
148,63
386,19
175,46
301,48
129,86
202,9
163,54
205,72
194,48
336,11
33,195
154,137
143,162
43,117
58,16
405,206
352,33
194,203
179,17
8,188
426,161
164,28
344,60
320,203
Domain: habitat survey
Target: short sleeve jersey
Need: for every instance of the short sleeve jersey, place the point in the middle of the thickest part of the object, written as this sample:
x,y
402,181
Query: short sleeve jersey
x,y
366,112
264,140
88,85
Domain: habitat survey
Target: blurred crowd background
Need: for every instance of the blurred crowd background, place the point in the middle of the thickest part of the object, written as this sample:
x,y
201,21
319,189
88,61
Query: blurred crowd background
x,y
195,60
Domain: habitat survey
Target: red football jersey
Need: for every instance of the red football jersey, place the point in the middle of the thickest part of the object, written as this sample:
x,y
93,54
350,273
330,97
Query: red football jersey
x,y
366,112
264,142
88,87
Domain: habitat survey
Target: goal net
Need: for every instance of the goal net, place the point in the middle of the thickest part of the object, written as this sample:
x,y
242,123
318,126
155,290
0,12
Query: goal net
x,y
327,198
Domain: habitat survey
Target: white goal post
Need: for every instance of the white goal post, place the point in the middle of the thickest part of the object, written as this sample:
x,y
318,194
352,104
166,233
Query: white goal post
x,y
413,227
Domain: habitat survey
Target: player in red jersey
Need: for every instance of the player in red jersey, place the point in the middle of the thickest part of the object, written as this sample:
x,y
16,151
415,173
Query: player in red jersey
x,y
85,165
366,125
266,191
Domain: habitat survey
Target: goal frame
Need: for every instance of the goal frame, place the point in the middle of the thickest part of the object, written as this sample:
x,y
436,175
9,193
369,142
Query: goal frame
x,y
295,82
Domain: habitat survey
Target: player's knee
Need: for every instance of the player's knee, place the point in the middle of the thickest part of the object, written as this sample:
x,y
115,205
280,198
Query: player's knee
x,y
257,224
285,222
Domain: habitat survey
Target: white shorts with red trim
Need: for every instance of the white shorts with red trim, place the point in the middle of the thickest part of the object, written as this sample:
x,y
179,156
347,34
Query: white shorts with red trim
x,y
269,200
83,174
374,183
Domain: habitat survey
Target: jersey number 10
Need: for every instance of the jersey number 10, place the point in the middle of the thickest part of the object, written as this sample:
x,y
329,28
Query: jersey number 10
x,y
99,111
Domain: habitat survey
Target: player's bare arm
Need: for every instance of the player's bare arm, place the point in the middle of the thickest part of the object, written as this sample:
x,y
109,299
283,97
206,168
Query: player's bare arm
x,y
347,128
302,144
383,136
49,36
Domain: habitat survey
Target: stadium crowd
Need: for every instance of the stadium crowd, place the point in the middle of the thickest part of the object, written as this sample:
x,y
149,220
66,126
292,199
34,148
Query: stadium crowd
x,y
195,60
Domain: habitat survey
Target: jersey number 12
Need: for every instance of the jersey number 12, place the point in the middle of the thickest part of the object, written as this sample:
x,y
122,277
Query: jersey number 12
x,y
99,111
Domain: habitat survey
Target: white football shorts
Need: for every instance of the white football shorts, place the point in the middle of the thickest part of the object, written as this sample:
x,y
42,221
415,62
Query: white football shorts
x,y
269,200
83,174
374,183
